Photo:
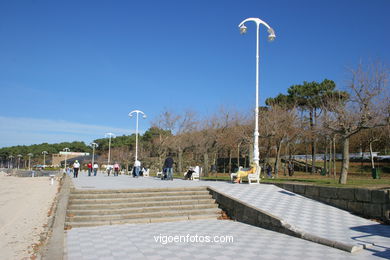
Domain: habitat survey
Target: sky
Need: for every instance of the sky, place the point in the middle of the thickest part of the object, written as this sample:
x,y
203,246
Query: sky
x,y
73,70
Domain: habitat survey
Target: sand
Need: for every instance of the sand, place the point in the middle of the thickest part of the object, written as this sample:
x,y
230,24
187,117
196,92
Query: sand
x,y
24,206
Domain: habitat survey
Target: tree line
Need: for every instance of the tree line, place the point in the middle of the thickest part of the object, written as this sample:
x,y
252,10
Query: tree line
x,y
311,118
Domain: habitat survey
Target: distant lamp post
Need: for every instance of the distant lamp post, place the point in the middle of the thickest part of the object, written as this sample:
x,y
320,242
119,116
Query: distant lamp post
x,y
19,156
29,160
271,37
10,165
44,158
66,150
136,130
109,135
94,145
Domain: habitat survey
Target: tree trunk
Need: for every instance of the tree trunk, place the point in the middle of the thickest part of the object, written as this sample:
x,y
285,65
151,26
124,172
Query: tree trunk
x,y
372,157
238,155
276,166
334,157
313,145
180,160
205,164
345,166
325,156
306,150
230,161
330,157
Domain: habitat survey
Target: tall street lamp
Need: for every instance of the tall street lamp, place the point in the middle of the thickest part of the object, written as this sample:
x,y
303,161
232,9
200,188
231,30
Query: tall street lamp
x,y
271,37
109,135
94,145
19,156
66,150
44,157
136,130
29,160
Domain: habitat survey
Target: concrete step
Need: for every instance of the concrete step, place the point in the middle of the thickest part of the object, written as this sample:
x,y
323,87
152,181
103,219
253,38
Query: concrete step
x,y
139,204
137,194
139,199
159,214
199,188
139,209
140,220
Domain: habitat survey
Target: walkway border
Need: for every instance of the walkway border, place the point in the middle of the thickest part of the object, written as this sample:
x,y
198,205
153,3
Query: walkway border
x,y
243,212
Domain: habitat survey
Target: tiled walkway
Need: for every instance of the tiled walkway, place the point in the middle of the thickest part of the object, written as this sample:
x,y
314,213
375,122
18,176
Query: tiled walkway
x,y
306,215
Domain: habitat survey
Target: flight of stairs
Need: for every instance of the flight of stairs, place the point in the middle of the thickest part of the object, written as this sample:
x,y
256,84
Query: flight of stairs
x,y
109,207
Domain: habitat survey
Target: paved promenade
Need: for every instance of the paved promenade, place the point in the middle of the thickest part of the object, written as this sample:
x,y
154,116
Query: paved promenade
x,y
302,214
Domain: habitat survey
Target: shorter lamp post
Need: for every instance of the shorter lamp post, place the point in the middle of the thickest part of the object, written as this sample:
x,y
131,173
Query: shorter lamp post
x,y
19,156
10,161
94,145
66,150
109,135
29,160
44,158
136,130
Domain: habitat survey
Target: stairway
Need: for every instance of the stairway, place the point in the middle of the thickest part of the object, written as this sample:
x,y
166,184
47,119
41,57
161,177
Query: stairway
x,y
88,208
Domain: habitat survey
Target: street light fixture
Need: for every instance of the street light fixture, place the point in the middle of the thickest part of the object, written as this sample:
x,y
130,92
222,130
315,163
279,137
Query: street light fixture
x,y
271,37
44,158
136,130
94,145
10,161
66,150
109,135
29,160
19,156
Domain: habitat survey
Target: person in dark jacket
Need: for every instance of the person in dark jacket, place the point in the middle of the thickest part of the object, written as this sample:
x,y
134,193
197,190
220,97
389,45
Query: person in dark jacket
x,y
168,166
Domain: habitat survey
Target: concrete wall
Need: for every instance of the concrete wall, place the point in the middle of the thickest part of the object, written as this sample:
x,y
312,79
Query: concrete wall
x,y
365,202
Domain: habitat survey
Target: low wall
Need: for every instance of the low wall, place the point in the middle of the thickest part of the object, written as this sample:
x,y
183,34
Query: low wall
x,y
369,203
243,212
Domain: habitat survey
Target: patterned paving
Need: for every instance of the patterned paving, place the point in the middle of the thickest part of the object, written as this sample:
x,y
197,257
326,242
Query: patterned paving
x,y
303,214
139,242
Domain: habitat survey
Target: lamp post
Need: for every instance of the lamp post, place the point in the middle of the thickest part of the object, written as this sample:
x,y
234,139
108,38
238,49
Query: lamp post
x,y
94,145
271,37
44,158
109,135
10,161
66,150
19,156
29,160
136,130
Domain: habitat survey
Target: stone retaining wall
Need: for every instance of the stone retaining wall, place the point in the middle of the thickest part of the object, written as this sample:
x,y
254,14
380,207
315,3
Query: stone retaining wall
x,y
365,202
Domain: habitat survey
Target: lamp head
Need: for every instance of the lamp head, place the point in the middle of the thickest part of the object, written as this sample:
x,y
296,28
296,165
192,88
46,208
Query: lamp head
x,y
271,35
144,116
243,29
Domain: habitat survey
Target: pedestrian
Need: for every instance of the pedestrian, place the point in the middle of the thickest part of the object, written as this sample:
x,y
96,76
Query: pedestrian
x,y
137,168
116,169
269,170
76,167
168,165
189,174
89,165
95,168
290,168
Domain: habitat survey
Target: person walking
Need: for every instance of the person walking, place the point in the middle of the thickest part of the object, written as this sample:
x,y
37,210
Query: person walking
x,y
168,165
95,168
116,169
76,168
137,168
89,165
269,170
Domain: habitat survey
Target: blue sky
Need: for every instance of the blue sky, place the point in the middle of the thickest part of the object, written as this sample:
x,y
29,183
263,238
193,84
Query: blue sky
x,y
79,67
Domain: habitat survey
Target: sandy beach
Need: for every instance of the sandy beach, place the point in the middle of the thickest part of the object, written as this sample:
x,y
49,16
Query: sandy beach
x,y
24,206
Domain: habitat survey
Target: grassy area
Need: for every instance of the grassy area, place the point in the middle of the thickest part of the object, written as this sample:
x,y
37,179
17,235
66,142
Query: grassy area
x,y
354,180
359,167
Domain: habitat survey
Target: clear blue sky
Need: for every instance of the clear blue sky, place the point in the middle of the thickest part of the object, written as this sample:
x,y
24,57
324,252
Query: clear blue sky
x,y
72,70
